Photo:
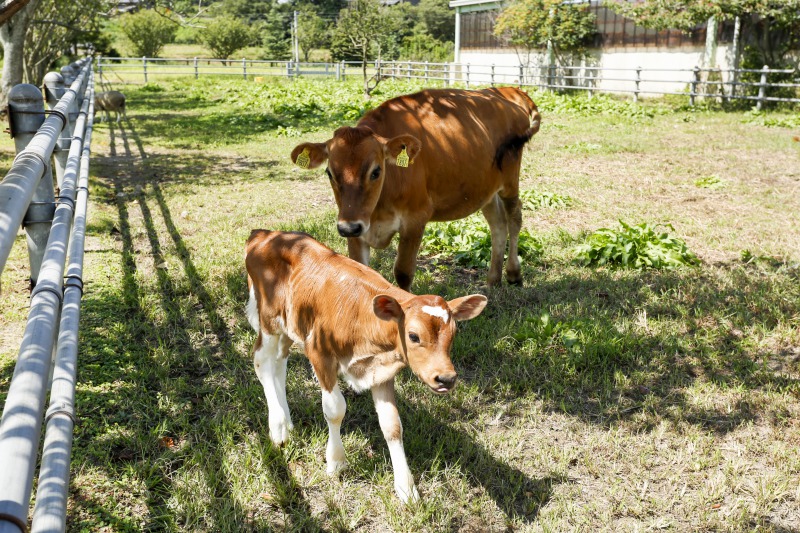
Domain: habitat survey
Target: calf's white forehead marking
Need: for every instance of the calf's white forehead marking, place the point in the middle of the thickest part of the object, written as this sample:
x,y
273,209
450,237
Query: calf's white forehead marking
x,y
436,311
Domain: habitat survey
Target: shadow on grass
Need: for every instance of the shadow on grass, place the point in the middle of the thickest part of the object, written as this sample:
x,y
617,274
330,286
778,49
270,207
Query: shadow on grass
x,y
154,349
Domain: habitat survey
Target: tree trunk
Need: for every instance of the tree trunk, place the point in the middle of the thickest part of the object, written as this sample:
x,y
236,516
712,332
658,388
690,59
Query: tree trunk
x,y
12,38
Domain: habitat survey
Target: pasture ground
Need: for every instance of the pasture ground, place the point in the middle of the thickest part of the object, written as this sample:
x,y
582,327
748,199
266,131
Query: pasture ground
x,y
590,399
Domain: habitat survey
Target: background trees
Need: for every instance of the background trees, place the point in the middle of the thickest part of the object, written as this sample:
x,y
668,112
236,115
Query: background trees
x,y
147,32
224,36
531,25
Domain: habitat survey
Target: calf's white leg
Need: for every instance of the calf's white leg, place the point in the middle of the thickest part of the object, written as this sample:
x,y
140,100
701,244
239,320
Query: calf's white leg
x,y
334,407
392,428
269,358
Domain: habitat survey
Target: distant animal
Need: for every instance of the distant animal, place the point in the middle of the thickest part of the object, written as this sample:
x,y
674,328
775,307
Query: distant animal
x,y
351,322
110,101
440,154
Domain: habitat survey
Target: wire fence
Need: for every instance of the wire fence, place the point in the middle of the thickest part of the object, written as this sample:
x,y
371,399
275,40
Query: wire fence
x,y
761,86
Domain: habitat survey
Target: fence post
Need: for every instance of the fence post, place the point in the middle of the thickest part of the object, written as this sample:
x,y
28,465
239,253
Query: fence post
x,y
492,74
244,68
426,71
196,71
762,88
144,68
521,74
467,75
638,79
344,69
408,70
695,81
26,115
551,76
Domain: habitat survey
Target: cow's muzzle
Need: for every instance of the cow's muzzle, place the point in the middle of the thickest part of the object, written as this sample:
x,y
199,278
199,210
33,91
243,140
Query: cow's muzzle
x,y
445,382
350,229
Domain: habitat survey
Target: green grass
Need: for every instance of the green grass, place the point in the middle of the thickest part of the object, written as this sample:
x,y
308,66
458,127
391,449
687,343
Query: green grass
x,y
590,399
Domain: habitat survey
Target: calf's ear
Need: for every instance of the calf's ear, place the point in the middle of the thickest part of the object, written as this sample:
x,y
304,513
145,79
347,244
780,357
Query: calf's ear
x,y
467,307
310,155
409,143
387,308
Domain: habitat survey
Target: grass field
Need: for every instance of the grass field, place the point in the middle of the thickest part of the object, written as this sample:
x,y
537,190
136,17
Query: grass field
x,y
590,399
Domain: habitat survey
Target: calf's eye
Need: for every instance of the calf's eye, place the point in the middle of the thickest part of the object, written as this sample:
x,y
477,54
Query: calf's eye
x,y
375,174
414,337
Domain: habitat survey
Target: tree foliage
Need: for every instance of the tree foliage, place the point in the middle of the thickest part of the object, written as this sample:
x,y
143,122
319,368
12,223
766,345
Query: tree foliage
x,y
147,32
438,19
531,24
56,28
771,27
360,32
312,31
223,36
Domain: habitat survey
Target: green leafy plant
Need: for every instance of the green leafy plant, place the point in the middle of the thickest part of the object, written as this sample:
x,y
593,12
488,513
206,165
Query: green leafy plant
x,y
709,182
223,36
537,200
771,120
469,242
635,246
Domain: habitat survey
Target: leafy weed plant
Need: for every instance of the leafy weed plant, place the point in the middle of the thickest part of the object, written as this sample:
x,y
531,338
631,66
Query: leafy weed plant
x,y
635,246
533,200
469,242
710,182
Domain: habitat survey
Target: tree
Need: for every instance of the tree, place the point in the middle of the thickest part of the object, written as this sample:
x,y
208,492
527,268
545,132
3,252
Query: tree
x,y
147,32
10,8
361,31
12,38
536,24
223,36
312,31
439,19
57,27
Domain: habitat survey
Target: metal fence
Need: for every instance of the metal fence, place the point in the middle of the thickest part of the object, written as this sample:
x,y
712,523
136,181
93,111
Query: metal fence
x,y
55,228
758,85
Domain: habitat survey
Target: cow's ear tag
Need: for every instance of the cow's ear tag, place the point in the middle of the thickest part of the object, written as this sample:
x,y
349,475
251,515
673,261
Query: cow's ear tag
x,y
402,158
303,160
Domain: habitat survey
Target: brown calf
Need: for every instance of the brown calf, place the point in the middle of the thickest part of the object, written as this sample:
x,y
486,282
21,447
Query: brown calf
x,y
439,154
351,322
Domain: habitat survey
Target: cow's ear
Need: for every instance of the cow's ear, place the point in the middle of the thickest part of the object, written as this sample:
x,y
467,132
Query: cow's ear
x,y
395,147
387,308
467,307
310,155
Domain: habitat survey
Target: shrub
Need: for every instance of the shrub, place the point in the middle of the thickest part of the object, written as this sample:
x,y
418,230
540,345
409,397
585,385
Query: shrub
x,y
147,32
639,247
224,36
470,243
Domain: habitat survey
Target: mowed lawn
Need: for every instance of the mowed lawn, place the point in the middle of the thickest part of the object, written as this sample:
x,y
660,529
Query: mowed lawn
x,y
590,399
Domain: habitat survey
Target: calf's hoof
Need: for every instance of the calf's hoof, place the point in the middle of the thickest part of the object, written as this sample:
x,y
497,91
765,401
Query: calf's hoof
x,y
407,494
279,432
335,467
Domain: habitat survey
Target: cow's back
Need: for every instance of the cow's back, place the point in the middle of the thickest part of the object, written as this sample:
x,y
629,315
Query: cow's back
x,y
460,132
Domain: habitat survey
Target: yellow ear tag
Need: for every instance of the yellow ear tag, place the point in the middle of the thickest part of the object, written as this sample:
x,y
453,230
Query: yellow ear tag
x,y
402,159
303,160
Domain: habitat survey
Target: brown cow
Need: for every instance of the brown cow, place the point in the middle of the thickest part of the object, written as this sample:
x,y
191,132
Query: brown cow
x,y
351,322
465,149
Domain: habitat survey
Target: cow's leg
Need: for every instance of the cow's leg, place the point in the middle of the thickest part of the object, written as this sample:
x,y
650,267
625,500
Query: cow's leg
x,y
358,250
270,355
406,261
392,428
513,210
496,217
334,407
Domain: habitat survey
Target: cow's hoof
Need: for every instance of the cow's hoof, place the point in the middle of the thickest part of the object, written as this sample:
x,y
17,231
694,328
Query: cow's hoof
x,y
517,282
279,434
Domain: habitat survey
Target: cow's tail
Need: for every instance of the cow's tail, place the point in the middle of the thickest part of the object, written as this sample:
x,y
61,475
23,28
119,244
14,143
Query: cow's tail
x,y
514,144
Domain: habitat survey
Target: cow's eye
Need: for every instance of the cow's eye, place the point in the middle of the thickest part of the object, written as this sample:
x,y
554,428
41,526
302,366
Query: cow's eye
x,y
375,174
414,337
